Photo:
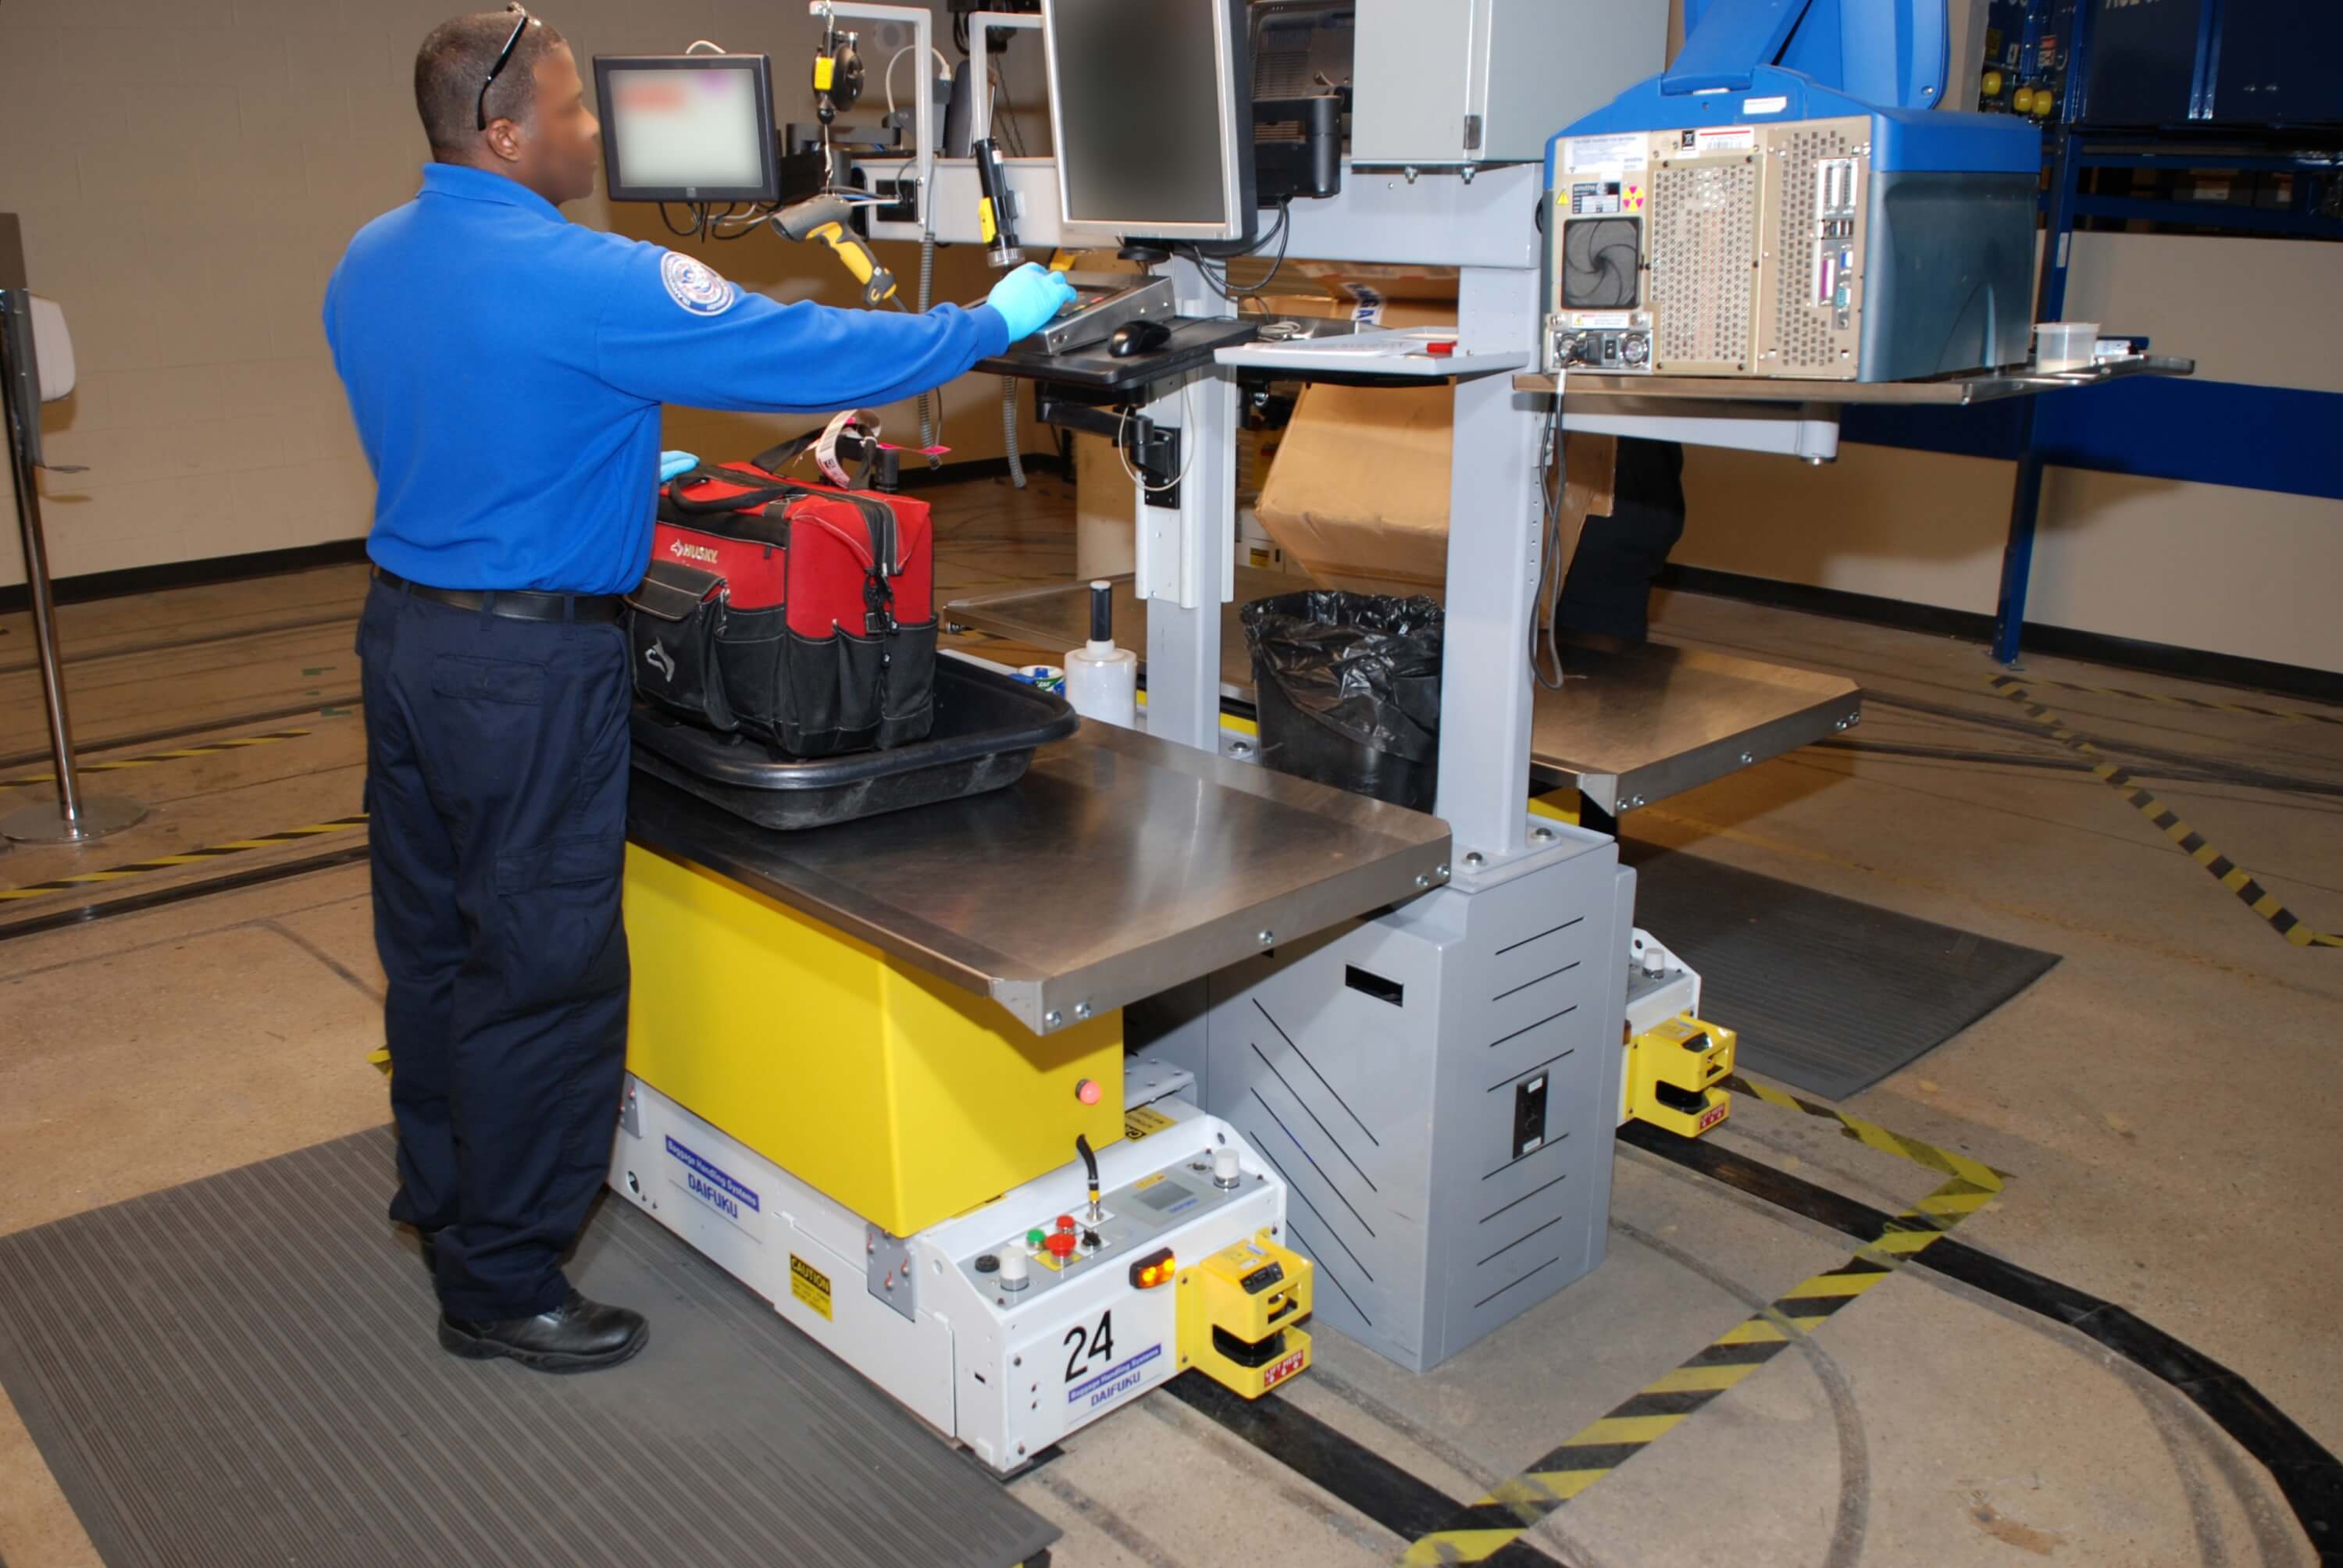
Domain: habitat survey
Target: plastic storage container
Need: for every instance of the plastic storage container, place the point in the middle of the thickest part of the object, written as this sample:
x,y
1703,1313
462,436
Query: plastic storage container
x,y
2065,345
1347,690
986,731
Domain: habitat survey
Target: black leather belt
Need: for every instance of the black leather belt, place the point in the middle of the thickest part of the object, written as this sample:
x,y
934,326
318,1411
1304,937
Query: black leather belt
x,y
516,604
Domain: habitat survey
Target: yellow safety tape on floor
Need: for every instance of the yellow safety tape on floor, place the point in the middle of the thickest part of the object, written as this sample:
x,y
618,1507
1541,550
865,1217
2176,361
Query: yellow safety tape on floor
x,y
2203,704
2218,866
1943,1161
176,754
1515,1506
184,858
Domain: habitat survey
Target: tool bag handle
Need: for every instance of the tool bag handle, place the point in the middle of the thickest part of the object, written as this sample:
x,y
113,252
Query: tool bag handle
x,y
748,499
884,538
774,459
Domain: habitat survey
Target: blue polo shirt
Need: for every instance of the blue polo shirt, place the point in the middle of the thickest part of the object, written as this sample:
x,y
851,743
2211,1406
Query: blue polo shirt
x,y
505,368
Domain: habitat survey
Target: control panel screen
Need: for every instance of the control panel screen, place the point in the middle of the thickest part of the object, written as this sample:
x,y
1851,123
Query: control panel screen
x,y
1164,1196
691,127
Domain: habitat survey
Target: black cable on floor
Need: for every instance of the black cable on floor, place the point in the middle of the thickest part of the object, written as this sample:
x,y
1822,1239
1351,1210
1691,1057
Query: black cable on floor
x,y
184,892
1406,1505
2306,1474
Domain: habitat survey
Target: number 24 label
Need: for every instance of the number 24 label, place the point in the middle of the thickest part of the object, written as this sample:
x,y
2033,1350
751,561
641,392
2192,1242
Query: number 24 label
x,y
1086,1348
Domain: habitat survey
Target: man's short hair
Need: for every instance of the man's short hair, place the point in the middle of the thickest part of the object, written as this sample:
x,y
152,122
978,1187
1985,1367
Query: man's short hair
x,y
458,57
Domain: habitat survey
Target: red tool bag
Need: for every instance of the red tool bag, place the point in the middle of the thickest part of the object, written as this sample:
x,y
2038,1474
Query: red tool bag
x,y
799,613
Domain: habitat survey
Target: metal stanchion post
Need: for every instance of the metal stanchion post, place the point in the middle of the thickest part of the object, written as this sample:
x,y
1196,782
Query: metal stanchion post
x,y
73,817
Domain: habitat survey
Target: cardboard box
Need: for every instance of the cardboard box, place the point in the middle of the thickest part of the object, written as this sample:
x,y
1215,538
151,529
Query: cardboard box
x,y
1355,494
1358,495
1103,544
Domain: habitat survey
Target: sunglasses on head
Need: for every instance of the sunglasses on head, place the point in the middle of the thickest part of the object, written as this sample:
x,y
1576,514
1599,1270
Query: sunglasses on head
x,y
503,56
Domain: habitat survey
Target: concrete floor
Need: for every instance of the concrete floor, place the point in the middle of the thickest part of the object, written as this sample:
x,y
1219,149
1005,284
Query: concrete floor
x,y
2165,1099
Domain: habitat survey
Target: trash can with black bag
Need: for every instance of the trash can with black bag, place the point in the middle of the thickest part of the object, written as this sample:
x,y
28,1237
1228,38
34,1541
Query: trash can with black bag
x,y
1347,688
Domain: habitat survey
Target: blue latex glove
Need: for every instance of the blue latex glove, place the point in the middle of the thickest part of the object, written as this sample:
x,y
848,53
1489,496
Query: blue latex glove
x,y
1028,297
674,463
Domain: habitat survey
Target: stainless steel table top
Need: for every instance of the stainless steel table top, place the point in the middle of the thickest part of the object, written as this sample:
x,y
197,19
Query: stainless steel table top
x,y
1626,731
1118,867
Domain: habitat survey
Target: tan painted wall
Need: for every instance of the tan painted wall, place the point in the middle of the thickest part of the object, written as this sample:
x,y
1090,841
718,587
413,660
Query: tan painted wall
x,y
2228,569
188,171
190,227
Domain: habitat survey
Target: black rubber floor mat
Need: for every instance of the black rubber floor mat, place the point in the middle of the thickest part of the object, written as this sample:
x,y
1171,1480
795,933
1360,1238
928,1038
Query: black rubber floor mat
x,y
243,1369
1830,995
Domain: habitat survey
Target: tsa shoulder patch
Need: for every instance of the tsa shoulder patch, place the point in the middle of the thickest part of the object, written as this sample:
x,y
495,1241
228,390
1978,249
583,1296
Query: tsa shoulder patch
x,y
695,286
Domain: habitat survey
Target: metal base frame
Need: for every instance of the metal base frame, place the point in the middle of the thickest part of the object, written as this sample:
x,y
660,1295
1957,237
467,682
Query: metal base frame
x,y
1438,1088
96,817
918,1315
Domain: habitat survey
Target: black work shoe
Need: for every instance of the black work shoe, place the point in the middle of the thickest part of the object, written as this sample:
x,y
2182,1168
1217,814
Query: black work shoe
x,y
578,1335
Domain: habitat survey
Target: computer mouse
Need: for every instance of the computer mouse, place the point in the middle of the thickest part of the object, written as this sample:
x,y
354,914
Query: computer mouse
x,y
1138,337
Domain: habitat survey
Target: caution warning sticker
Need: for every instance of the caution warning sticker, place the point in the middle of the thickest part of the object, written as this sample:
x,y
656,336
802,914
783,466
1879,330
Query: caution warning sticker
x,y
1142,1121
810,1285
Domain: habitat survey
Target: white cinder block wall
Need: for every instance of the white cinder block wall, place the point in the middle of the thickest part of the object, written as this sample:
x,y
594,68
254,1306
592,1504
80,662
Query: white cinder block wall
x,y
188,172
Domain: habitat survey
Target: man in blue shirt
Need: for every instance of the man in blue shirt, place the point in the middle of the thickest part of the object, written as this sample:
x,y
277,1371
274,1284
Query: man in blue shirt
x,y
506,370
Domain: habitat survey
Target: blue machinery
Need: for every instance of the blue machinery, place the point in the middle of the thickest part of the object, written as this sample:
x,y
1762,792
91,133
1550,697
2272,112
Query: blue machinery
x,y
2235,85
1820,218
2251,70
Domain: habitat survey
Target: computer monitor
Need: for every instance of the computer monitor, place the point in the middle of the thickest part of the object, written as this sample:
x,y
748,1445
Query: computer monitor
x,y
687,127
1151,112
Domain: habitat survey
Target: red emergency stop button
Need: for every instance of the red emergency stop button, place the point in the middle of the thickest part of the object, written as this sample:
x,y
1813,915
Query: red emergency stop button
x,y
1061,1245
1065,1224
1087,1092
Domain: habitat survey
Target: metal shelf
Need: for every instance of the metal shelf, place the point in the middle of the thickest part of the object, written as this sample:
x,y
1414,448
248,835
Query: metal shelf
x,y
1953,391
1402,353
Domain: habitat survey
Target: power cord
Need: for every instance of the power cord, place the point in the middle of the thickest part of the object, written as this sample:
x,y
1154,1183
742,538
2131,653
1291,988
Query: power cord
x,y
1005,123
943,68
1188,428
1545,651
1216,271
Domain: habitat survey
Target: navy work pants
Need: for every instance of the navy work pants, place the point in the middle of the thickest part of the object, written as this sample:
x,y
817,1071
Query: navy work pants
x,y
497,794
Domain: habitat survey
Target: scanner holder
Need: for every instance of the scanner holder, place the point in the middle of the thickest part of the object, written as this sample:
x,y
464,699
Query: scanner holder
x,y
1153,449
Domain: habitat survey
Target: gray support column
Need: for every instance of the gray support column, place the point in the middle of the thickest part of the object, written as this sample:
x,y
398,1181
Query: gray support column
x,y
1187,556
1494,540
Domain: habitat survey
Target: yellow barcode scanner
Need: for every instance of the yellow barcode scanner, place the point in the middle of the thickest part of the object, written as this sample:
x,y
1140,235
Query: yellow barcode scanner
x,y
823,220
995,225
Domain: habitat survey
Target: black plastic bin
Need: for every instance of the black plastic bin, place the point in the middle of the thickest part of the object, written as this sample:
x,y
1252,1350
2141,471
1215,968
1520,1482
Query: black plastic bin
x,y
1347,688
986,731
